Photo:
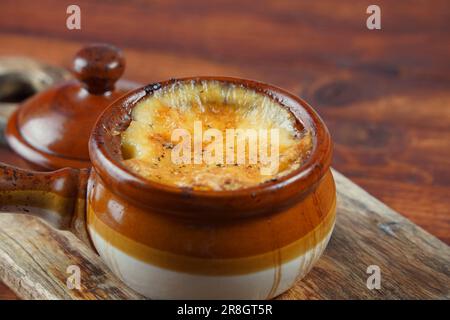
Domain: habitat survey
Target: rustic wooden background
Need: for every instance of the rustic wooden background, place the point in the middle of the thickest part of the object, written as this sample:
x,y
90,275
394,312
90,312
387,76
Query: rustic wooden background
x,y
385,94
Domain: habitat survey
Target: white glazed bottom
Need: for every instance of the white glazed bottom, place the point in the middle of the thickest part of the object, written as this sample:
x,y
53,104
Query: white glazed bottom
x,y
158,283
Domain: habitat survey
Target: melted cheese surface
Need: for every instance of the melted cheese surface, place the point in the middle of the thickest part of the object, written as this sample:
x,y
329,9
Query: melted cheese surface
x,y
147,144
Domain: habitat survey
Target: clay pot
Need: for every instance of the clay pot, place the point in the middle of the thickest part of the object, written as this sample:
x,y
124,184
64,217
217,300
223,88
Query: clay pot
x,y
168,242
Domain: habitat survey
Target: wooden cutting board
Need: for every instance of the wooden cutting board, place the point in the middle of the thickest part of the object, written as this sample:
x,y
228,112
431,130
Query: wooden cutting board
x,y
34,258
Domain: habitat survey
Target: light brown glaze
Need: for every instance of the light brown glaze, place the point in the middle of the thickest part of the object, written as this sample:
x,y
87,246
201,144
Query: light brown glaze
x,y
52,129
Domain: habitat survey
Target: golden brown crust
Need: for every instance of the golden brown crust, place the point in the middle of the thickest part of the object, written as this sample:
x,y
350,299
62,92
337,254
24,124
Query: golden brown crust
x,y
148,147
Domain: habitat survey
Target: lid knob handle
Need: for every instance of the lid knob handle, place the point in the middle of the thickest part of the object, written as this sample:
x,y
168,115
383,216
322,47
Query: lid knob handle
x,y
99,66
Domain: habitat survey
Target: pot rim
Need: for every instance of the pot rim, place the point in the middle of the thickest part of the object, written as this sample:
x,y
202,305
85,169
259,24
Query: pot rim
x,y
106,157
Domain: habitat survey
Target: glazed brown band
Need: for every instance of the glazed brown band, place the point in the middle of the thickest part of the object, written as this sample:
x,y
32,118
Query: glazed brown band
x,y
314,241
239,238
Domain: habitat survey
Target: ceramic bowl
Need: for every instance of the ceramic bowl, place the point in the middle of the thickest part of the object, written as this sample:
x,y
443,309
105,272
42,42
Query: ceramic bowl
x,y
177,243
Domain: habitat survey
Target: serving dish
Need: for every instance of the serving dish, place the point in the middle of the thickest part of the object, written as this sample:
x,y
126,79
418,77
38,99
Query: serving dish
x,y
168,242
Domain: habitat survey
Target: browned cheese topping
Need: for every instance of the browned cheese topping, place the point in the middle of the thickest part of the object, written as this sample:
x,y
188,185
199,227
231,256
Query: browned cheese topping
x,y
196,121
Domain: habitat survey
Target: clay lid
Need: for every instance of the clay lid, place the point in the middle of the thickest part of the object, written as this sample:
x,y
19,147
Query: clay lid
x,y
51,130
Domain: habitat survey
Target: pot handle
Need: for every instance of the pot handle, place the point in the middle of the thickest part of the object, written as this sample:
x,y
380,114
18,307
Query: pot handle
x,y
59,197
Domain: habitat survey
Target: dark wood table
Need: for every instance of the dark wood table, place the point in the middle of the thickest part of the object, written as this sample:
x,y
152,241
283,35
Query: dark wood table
x,y
385,94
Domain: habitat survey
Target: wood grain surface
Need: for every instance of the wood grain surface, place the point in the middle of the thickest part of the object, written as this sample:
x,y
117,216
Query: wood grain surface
x,y
384,94
413,263
36,264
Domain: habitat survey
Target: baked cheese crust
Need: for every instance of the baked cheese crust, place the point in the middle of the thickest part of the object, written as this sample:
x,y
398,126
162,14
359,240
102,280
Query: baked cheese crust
x,y
148,144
